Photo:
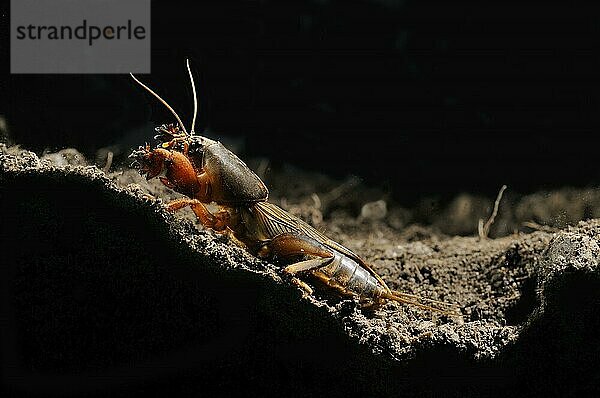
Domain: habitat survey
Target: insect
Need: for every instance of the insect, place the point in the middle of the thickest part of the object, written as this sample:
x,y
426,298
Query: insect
x,y
206,172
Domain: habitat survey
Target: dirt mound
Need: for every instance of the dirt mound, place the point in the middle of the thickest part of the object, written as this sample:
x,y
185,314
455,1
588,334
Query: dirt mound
x,y
104,288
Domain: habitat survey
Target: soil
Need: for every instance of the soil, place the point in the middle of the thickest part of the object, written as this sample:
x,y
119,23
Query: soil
x,y
528,294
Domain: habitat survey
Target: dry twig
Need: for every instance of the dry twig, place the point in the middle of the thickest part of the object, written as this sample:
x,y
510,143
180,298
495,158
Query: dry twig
x,y
484,230
109,159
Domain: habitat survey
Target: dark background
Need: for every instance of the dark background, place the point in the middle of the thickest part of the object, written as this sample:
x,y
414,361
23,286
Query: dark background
x,y
423,98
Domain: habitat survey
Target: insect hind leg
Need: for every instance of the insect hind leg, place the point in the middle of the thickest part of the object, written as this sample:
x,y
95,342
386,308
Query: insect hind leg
x,y
289,245
293,245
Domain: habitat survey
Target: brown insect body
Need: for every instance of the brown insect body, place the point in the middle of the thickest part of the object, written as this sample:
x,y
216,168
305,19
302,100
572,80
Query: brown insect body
x,y
234,181
206,172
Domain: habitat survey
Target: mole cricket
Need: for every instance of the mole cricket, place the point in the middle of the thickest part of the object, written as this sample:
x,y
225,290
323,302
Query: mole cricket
x,y
206,172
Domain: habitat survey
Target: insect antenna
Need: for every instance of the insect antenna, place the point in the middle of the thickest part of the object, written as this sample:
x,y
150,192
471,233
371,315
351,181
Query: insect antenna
x,y
163,102
187,61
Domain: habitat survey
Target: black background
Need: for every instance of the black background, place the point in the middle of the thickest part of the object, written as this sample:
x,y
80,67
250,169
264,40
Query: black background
x,y
422,97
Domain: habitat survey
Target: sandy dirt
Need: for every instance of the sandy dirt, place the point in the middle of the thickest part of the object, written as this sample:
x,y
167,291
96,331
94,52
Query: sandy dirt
x,y
516,324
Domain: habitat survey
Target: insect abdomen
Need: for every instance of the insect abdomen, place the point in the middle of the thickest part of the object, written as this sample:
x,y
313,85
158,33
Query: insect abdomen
x,y
356,279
